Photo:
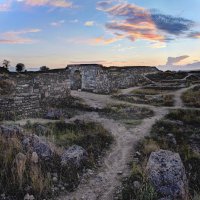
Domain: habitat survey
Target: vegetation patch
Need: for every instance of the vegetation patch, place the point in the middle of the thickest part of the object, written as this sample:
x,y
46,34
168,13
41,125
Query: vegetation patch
x,y
156,100
32,160
130,115
168,75
66,108
179,131
191,97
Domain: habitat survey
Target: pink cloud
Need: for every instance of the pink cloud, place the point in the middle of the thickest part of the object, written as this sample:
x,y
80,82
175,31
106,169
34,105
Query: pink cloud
x,y
17,37
54,3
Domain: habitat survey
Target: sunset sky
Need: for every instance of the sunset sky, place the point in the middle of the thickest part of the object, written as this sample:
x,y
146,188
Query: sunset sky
x,y
109,32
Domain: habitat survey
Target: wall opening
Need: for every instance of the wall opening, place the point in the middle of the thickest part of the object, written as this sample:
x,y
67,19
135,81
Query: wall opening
x,y
76,80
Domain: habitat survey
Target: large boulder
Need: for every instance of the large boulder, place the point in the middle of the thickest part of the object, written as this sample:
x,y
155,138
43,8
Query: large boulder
x,y
74,156
166,172
9,131
36,144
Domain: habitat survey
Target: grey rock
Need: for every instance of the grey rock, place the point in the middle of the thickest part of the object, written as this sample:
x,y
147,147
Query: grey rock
x,y
34,157
28,197
171,138
42,130
38,145
54,114
55,179
166,172
136,184
75,156
10,131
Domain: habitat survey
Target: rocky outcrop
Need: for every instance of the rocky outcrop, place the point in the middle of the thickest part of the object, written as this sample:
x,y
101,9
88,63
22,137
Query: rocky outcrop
x,y
74,156
166,172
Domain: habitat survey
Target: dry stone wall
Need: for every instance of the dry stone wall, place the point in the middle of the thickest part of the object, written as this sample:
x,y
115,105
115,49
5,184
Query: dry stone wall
x,y
32,92
99,79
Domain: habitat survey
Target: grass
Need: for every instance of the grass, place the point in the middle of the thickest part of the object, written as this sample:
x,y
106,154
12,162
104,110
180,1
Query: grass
x,y
191,97
17,171
71,106
144,91
129,115
91,136
19,175
155,100
185,135
168,75
184,125
131,191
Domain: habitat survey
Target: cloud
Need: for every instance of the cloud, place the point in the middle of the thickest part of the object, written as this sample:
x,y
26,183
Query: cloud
x,y
194,35
89,23
5,6
58,23
53,3
132,21
105,41
74,21
16,37
174,60
136,22
172,25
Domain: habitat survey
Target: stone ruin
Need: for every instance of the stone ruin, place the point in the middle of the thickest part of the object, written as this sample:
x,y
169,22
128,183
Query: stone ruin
x,y
100,79
32,91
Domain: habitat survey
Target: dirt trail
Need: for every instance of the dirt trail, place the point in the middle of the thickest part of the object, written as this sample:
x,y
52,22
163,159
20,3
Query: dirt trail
x,y
177,96
102,184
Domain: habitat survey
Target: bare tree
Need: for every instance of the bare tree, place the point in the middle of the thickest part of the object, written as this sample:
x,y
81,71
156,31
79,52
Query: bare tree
x,y
6,64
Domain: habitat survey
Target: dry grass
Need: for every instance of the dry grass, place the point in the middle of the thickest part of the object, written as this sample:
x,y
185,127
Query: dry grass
x,y
191,97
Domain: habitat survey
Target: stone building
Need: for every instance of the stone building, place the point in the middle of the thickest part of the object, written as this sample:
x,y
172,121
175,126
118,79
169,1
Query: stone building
x,y
100,79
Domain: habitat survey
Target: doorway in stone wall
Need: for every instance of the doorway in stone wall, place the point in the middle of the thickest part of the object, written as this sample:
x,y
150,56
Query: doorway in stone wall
x,y
77,80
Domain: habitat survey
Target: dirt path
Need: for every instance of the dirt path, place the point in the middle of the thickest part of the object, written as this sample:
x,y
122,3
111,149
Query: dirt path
x,y
177,96
102,184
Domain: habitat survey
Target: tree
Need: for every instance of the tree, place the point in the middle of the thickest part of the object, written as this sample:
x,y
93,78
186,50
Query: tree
x,y
6,64
20,67
44,68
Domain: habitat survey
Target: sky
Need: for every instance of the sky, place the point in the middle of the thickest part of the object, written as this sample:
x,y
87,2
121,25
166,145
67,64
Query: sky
x,y
55,33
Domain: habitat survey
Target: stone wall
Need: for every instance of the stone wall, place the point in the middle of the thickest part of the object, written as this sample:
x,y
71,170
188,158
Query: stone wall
x,y
32,92
99,79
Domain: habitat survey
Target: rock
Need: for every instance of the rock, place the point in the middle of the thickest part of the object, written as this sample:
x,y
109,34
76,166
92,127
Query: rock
x,y
119,173
166,172
34,157
75,156
38,145
54,114
29,197
136,184
55,179
137,154
171,138
11,131
20,161
42,130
